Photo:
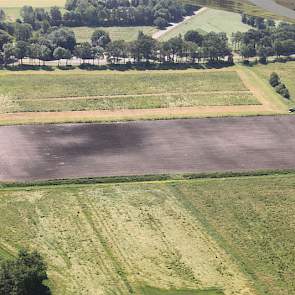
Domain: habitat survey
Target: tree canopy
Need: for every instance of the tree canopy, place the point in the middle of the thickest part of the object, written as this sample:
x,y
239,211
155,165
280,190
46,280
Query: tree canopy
x,y
24,275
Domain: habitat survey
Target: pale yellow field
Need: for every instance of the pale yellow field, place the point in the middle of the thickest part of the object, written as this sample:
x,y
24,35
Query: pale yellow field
x,y
113,239
34,3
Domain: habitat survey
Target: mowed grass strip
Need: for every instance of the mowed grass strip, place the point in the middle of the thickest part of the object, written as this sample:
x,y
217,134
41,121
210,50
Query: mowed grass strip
x,y
60,85
132,102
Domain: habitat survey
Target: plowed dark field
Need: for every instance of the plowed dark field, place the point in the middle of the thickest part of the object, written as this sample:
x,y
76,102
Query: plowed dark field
x,y
38,152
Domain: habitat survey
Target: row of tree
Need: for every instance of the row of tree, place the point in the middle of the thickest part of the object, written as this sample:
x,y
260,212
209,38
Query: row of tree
x,y
272,41
108,13
257,21
61,44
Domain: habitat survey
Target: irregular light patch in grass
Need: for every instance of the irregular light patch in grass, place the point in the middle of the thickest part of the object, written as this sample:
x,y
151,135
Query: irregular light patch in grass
x,y
103,239
8,104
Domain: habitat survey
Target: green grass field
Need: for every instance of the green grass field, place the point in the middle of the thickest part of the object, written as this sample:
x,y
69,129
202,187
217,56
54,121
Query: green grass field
x,y
83,34
234,235
208,21
285,70
78,90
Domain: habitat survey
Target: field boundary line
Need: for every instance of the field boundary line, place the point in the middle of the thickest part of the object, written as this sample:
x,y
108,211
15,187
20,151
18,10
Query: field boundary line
x,y
104,180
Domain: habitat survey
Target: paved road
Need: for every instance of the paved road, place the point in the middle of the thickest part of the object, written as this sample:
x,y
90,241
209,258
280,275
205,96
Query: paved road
x,y
199,145
275,8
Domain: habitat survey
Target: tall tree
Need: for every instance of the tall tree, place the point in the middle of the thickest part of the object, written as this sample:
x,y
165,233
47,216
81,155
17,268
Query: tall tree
x,y
24,275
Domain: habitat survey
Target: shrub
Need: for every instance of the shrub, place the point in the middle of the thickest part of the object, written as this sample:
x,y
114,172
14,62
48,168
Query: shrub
x,y
161,23
274,80
283,90
280,87
285,93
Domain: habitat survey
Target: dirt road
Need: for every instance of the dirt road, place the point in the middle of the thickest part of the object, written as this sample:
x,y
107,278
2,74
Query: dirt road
x,y
146,147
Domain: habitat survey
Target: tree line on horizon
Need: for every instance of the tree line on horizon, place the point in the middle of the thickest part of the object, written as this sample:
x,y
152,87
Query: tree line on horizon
x,y
107,13
20,39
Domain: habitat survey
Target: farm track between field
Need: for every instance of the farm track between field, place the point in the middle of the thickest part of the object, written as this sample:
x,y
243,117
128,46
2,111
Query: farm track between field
x,y
41,152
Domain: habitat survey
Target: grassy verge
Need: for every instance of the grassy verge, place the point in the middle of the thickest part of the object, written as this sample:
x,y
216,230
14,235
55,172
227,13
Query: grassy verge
x,y
286,71
144,178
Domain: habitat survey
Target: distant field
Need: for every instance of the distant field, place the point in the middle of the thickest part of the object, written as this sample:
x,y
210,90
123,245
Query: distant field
x,y
12,13
238,6
234,235
208,21
79,90
83,34
287,3
285,70
34,3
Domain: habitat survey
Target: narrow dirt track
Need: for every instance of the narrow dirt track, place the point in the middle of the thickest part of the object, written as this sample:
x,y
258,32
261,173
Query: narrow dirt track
x,y
148,147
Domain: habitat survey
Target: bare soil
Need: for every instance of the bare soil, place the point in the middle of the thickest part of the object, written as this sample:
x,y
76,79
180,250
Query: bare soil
x,y
146,147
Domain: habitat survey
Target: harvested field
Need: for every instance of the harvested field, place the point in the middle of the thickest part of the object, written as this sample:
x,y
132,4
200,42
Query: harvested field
x,y
234,236
151,147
